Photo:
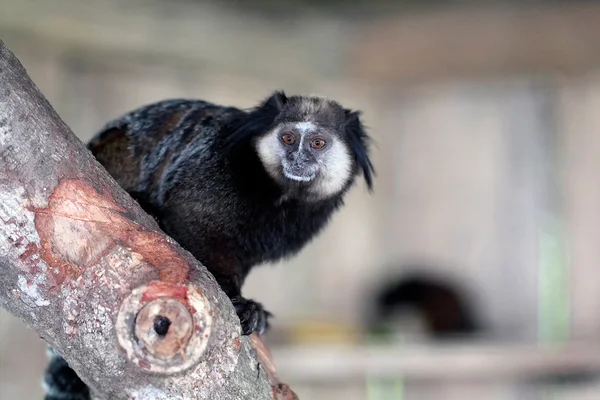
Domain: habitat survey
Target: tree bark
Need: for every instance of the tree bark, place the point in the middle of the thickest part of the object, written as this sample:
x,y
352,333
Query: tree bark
x,y
90,272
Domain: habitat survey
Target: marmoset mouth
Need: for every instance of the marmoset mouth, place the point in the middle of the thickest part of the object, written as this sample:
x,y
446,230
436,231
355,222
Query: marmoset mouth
x,y
298,174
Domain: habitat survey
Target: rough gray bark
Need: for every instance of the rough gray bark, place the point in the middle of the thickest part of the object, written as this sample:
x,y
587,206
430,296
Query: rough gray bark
x,y
88,270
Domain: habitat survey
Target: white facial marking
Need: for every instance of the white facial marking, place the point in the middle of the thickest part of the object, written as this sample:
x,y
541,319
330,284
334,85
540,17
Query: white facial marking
x,y
305,127
335,171
271,153
335,163
297,178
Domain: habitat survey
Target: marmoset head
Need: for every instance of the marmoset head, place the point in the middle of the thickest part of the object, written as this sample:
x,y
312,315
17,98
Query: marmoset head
x,y
310,143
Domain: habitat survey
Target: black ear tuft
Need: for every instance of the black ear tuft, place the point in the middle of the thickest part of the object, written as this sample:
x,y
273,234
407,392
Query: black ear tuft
x,y
359,142
276,101
256,121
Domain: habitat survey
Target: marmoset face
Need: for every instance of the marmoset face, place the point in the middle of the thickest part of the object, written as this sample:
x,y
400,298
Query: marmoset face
x,y
306,147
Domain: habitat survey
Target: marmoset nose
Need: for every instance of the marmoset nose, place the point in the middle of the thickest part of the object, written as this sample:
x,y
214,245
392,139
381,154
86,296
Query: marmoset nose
x,y
301,157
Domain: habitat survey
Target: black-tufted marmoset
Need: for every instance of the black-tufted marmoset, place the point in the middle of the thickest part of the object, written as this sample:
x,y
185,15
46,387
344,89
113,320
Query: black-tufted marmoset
x,y
238,188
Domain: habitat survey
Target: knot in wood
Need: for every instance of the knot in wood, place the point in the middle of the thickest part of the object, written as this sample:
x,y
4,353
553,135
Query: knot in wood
x,y
164,328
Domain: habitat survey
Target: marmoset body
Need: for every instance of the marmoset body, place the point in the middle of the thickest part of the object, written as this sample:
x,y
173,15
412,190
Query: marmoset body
x,y
238,188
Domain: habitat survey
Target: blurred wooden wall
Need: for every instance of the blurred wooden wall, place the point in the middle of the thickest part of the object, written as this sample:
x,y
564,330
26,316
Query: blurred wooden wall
x,y
485,121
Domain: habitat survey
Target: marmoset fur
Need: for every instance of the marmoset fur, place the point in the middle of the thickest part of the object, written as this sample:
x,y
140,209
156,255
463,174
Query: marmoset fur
x,y
238,188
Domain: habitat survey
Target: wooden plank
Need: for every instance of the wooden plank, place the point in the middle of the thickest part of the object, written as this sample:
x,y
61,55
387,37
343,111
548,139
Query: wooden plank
x,y
458,41
485,362
196,34
478,41
579,102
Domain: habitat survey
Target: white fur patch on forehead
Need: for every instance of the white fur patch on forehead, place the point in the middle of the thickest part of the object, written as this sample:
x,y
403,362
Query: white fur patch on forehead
x,y
305,127
335,171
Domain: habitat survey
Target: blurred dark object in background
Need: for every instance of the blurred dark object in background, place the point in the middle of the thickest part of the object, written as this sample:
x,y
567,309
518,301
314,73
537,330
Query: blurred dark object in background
x,y
441,306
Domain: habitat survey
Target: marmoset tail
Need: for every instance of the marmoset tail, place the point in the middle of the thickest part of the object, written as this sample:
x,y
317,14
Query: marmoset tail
x,y
238,188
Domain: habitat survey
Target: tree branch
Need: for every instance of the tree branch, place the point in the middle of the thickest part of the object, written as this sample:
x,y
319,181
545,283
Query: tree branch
x,y
91,273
